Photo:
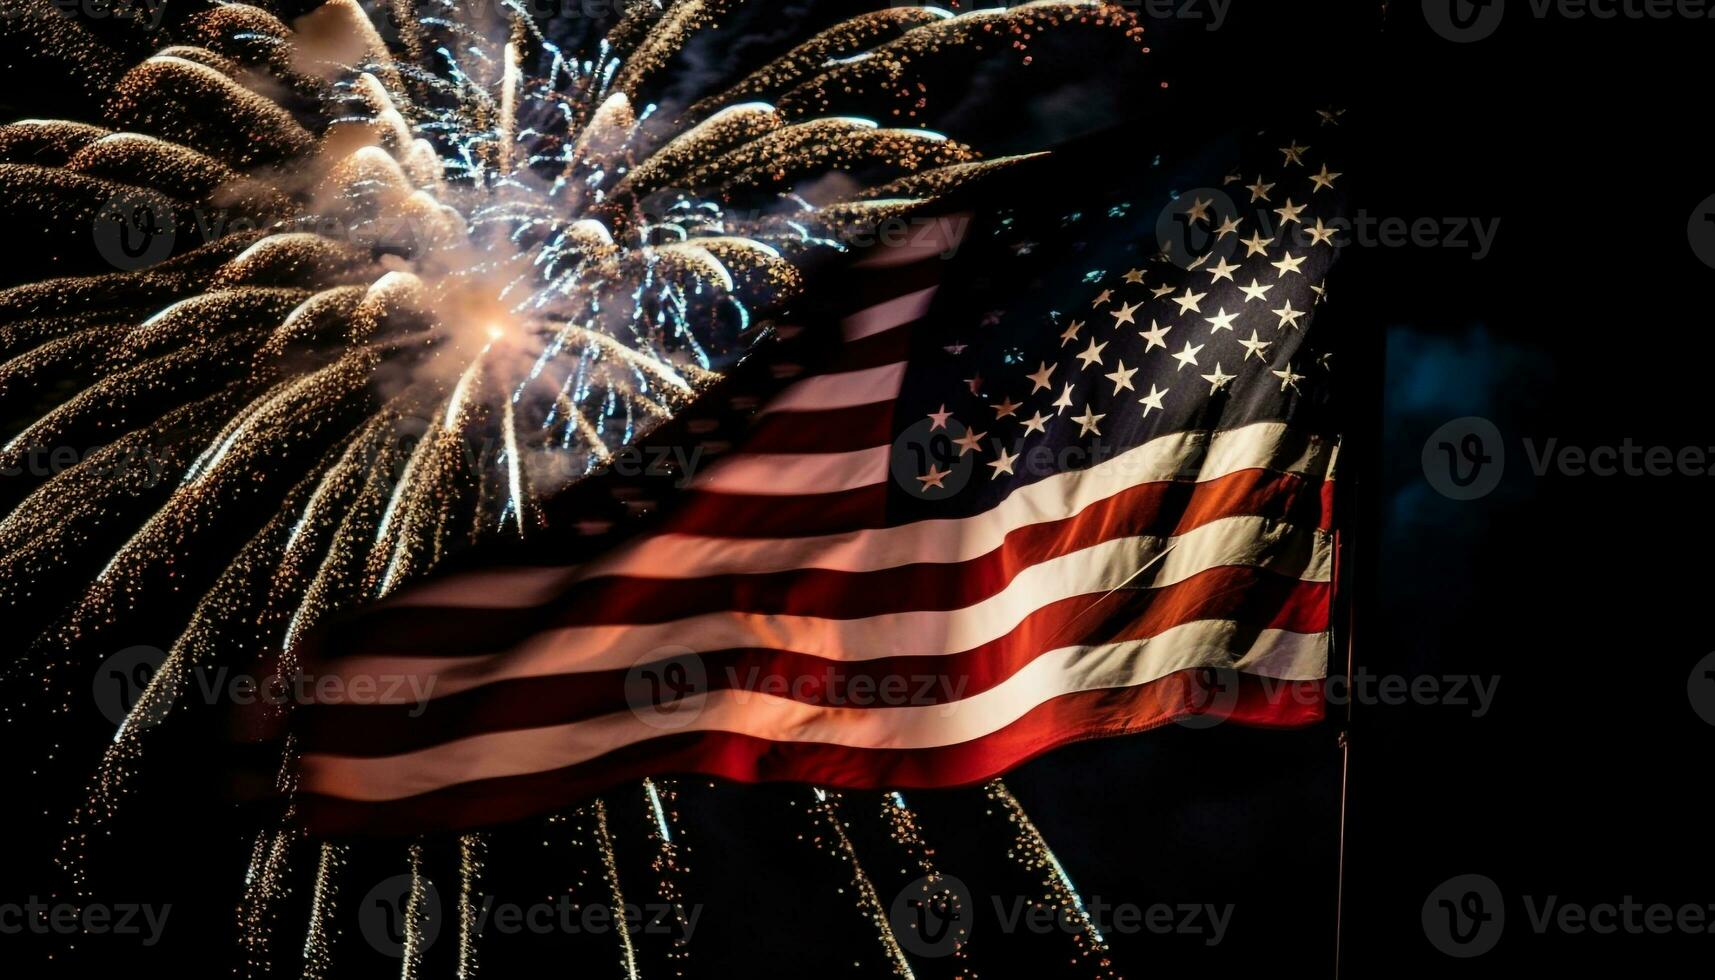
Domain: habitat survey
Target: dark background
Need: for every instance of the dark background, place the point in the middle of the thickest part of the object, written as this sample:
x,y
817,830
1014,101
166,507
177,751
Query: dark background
x,y
1581,594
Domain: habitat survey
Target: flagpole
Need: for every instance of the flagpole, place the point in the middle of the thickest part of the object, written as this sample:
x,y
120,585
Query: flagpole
x,y
1342,542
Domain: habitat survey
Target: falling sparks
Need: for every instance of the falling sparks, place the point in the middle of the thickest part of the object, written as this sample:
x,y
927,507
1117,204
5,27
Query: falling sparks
x,y
1031,850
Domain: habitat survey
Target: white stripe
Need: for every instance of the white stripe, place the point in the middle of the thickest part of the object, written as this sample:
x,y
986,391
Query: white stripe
x,y
846,389
1305,554
1069,670
790,474
1182,456
883,317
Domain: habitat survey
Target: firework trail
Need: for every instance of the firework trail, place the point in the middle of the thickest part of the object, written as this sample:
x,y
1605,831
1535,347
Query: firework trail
x,y
383,278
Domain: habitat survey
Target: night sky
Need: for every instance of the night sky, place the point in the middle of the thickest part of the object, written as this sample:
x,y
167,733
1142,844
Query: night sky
x,y
1577,596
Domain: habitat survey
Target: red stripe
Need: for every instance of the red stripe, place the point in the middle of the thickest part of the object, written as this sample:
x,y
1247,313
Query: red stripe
x,y
1259,599
1171,508
836,430
739,515
1071,718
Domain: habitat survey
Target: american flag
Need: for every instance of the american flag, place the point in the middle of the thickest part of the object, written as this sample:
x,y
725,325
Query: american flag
x,y
1070,483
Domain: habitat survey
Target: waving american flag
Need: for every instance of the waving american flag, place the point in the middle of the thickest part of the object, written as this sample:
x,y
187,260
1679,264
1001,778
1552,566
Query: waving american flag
x,y
1055,475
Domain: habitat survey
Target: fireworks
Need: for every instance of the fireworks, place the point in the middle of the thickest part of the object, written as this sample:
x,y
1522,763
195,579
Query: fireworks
x,y
384,281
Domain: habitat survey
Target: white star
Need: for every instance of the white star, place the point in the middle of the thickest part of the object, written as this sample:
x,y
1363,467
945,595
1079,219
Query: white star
x,y
933,478
1039,380
1289,264
1294,153
1121,378
1222,270
940,418
1005,408
1256,244
1288,316
1002,462
1036,423
1259,190
1092,355
1064,401
1255,290
1188,302
1106,295
1188,356
1219,379
1288,378
1071,333
1087,422
1323,179
970,442
1289,213
1220,321
1255,346
1321,235
1156,336
1152,401
1124,313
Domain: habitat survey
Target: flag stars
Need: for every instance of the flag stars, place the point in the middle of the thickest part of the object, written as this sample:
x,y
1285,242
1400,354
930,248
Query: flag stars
x,y
1199,210
1003,462
1289,378
1152,401
1071,333
1324,180
1064,402
1222,270
1289,317
1255,291
1088,422
940,418
1188,356
1092,356
1125,314
1036,423
1039,380
1103,297
1220,321
1289,212
1259,190
970,442
1155,336
1121,377
1188,302
1288,264
1160,291
1294,154
1134,276
1228,227
1255,345
933,478
1256,244
1321,234
1006,407
1220,379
